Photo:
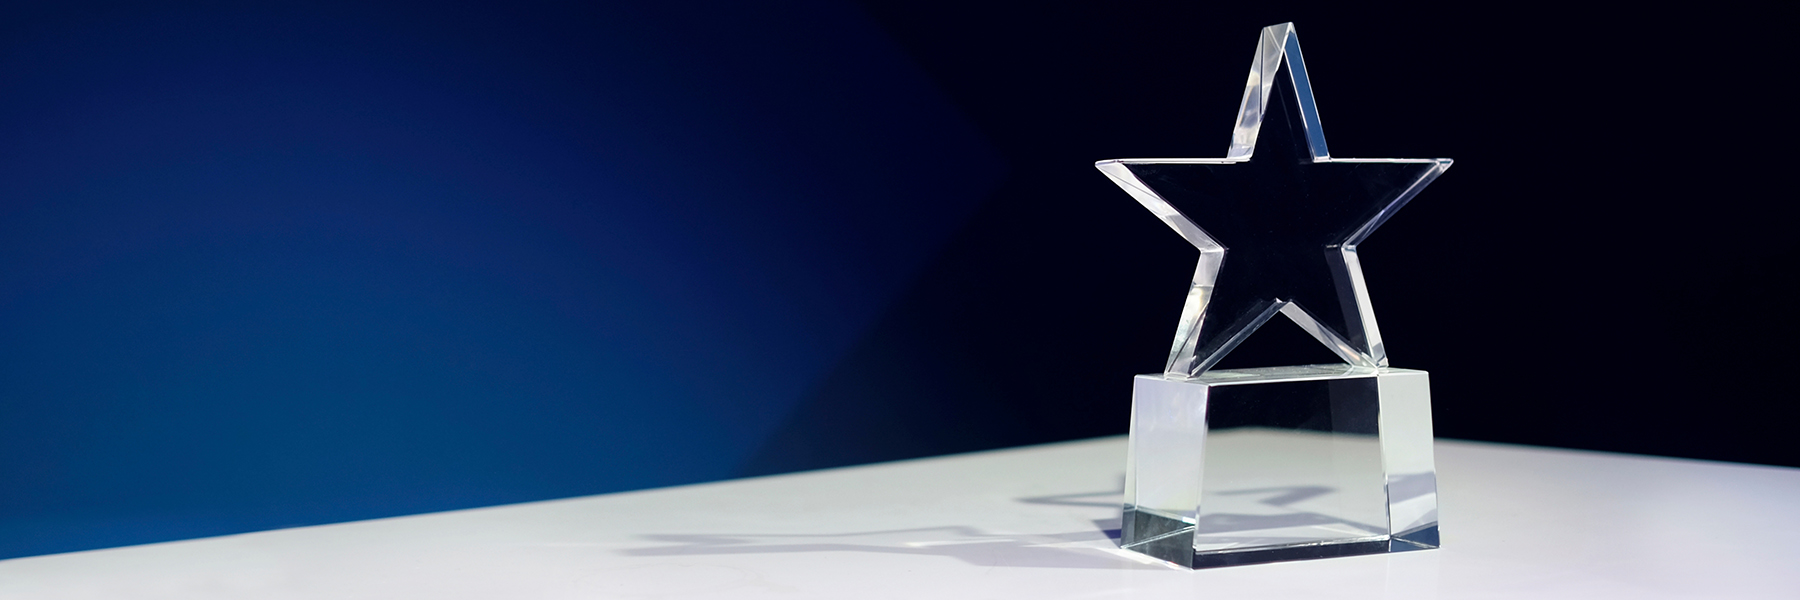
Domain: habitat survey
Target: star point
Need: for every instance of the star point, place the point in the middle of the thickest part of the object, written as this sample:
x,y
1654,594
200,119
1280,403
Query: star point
x,y
1280,225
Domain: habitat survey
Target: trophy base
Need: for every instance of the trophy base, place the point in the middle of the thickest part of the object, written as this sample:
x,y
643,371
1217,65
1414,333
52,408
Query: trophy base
x,y
1254,466
1178,549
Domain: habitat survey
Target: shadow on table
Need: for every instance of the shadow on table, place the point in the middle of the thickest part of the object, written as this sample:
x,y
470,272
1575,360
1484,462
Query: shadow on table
x,y
1077,549
1095,548
1108,527
1280,498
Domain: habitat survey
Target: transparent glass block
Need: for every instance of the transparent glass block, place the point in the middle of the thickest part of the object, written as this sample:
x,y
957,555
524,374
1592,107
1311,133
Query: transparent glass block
x,y
1285,463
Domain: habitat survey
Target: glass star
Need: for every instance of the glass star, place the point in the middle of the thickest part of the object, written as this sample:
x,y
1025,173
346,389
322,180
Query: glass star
x,y
1288,219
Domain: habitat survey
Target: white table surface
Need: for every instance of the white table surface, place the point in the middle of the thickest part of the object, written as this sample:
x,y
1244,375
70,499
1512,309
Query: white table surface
x,y
1518,522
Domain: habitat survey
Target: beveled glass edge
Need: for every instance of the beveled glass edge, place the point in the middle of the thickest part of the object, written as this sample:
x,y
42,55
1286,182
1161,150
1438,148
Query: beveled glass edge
x,y
1280,374
1275,44
1232,161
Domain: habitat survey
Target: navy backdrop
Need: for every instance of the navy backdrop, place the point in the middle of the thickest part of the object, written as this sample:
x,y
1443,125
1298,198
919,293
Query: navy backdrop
x,y
268,264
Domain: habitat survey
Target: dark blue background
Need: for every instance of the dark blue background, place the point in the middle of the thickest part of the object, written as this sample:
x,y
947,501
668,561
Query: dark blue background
x,y
267,264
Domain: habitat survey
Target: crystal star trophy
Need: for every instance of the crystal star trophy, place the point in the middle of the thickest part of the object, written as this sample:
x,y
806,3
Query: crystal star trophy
x,y
1245,466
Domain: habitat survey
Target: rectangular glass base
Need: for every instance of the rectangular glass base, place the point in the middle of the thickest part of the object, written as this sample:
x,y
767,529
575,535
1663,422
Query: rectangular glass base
x,y
1290,463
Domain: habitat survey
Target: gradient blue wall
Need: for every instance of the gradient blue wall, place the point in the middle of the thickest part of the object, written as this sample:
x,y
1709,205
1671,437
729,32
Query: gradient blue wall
x,y
265,265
